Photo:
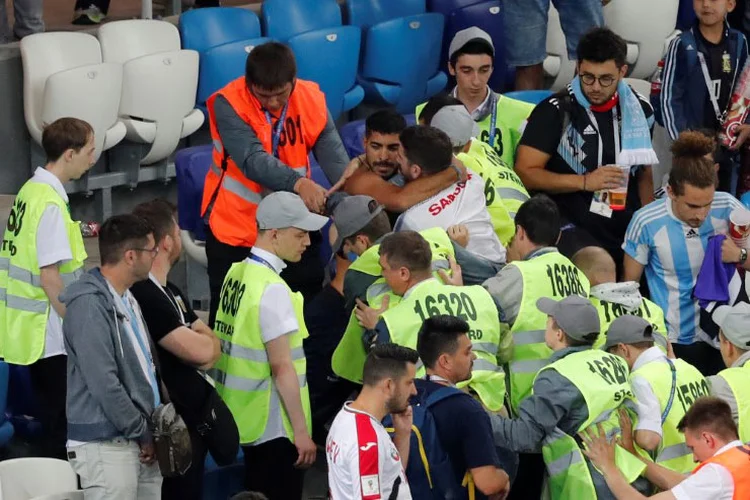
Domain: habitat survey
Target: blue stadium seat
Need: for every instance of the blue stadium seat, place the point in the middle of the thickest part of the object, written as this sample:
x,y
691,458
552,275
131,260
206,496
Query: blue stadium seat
x,y
220,483
365,13
22,408
330,58
202,29
401,59
445,7
745,199
283,19
685,15
530,96
191,167
6,428
222,64
489,17
353,134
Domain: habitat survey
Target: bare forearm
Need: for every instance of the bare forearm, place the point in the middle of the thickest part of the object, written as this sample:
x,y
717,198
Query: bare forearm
x,y
402,445
53,285
424,187
289,390
541,179
665,479
621,489
646,186
203,329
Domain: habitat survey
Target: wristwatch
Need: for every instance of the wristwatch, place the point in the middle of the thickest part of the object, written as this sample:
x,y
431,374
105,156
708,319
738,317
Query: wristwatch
x,y
743,255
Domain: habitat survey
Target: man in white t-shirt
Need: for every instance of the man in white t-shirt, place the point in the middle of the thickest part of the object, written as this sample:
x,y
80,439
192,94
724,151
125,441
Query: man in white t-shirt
x,y
429,151
711,434
31,314
363,462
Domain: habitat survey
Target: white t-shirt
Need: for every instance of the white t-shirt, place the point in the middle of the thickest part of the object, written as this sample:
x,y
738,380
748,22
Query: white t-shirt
x,y
647,403
462,203
363,462
277,318
713,481
52,247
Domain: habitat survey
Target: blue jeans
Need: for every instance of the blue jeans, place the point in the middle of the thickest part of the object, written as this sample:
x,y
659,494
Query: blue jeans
x,y
526,27
29,19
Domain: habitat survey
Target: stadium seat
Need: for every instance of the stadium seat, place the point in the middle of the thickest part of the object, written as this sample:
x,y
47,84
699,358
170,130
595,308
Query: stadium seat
x,y
330,58
647,36
36,478
159,86
557,66
222,64
220,483
530,96
365,13
6,428
445,7
203,29
283,19
353,134
191,167
403,78
685,15
22,408
489,17
63,75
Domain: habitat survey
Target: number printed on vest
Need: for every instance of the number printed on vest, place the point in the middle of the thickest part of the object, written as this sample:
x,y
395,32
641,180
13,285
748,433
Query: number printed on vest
x,y
15,223
609,369
292,131
498,147
489,191
688,393
453,304
229,304
564,280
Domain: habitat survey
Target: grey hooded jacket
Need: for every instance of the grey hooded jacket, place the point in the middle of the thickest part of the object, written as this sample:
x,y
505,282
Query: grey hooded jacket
x,y
108,394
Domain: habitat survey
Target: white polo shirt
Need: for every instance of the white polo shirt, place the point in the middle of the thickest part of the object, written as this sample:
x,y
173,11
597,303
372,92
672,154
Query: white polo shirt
x,y
462,203
712,482
363,462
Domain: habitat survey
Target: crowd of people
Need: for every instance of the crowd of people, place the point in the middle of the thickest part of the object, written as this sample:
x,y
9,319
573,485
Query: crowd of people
x,y
512,308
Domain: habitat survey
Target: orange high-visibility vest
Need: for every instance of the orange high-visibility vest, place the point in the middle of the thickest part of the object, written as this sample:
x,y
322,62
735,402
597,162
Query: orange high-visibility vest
x,y
737,462
232,197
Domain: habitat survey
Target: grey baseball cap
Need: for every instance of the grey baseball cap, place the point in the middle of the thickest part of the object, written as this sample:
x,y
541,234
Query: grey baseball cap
x,y
283,209
628,329
457,123
351,215
469,35
734,322
576,315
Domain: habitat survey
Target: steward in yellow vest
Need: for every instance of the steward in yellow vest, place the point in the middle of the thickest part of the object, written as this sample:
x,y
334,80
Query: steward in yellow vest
x,y
261,374
733,384
664,388
535,270
579,389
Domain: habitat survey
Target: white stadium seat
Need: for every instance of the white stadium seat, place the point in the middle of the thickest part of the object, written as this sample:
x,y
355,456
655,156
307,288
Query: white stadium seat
x,y
647,26
556,65
159,86
38,478
64,76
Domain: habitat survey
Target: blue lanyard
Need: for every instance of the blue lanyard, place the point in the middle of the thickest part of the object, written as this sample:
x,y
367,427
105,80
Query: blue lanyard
x,y
671,394
276,129
146,352
262,261
493,119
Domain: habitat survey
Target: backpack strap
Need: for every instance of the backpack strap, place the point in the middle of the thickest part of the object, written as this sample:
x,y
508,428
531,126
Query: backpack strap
x,y
441,394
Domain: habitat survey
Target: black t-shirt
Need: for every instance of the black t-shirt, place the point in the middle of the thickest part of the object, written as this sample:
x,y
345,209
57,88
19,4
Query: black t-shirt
x,y
187,389
465,431
719,64
577,152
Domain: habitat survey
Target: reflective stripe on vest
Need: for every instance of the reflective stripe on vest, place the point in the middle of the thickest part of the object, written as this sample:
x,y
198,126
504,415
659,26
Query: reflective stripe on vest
x,y
24,305
603,393
548,274
738,379
672,452
475,305
243,372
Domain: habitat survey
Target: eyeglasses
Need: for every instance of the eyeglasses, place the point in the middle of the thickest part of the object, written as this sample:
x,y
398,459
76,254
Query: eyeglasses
x,y
604,81
152,251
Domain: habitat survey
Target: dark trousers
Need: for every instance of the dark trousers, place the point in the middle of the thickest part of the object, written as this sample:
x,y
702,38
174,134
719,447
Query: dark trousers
x,y
702,356
84,4
529,480
269,469
49,382
189,486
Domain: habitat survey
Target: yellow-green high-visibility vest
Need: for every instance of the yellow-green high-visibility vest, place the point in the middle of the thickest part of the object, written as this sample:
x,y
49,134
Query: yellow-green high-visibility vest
x,y
672,452
738,378
547,275
24,306
510,116
602,379
349,357
243,372
610,311
473,304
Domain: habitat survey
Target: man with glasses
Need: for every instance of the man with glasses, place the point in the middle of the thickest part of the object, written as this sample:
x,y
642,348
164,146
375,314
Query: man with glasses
x,y
264,126
577,140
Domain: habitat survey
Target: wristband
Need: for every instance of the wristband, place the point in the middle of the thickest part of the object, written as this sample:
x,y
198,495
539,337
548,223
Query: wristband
x,y
743,255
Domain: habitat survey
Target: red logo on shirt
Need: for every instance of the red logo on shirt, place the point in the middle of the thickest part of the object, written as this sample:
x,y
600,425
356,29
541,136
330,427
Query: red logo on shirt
x,y
438,206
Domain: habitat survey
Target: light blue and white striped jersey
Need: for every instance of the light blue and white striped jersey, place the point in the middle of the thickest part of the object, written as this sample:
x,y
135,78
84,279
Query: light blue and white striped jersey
x,y
672,253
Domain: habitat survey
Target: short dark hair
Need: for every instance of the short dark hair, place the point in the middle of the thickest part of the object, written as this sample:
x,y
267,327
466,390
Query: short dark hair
x,y
427,147
690,164
385,121
473,47
121,233
712,414
270,66
540,218
407,249
249,495
387,361
160,214
601,45
435,104
64,134
439,335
